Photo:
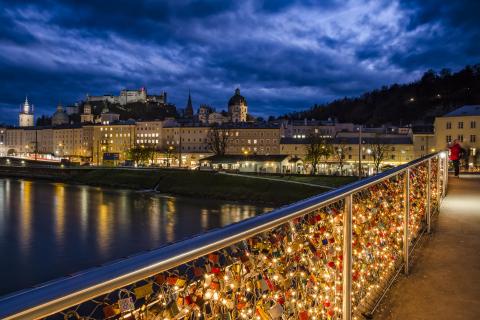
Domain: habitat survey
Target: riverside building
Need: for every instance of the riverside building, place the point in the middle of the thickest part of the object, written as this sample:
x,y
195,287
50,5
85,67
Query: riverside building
x,y
462,124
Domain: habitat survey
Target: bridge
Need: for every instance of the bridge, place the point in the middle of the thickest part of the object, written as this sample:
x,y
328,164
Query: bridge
x,y
332,256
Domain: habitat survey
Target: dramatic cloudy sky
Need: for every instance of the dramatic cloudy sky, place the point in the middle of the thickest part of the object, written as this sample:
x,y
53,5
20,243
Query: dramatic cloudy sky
x,y
284,55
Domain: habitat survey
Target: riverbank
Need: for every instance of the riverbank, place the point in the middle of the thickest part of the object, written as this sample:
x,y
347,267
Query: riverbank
x,y
189,183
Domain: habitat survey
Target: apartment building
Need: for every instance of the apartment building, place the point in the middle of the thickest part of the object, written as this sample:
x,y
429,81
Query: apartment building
x,y
423,139
112,141
304,128
67,142
254,138
149,133
462,124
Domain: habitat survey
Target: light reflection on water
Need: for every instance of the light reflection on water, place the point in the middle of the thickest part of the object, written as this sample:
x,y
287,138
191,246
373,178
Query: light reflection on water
x,y
48,230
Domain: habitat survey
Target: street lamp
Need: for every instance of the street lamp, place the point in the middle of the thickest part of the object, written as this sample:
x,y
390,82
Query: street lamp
x,y
245,153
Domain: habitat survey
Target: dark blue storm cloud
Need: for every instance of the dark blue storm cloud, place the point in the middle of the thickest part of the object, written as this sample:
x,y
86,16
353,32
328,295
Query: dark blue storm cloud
x,y
284,55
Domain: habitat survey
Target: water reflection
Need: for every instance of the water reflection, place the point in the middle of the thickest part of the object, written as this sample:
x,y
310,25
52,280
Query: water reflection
x,y
84,210
59,208
25,215
51,229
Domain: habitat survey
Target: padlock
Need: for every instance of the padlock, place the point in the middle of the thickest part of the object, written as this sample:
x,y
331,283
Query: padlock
x,y
126,303
72,315
143,291
276,311
110,311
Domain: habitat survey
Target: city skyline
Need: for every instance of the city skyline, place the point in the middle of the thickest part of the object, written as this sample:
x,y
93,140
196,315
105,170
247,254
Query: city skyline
x,y
285,56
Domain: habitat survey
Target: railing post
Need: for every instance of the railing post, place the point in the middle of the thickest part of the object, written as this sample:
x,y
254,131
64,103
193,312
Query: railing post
x,y
439,195
405,219
429,194
445,177
347,259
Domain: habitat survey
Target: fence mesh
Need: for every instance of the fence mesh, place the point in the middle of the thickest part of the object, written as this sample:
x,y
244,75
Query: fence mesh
x,y
293,271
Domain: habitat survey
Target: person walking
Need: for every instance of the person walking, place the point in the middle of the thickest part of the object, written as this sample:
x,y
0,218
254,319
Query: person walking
x,y
455,155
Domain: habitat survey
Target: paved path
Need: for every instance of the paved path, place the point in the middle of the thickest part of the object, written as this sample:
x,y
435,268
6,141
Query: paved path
x,y
278,180
444,282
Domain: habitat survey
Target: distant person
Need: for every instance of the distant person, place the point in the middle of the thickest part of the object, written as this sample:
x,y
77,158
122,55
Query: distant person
x,y
455,155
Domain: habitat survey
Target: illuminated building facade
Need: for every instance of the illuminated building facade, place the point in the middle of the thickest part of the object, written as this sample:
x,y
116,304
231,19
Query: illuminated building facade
x,y
25,117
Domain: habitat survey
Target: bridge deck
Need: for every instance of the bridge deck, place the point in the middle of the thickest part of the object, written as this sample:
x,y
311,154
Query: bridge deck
x,y
444,282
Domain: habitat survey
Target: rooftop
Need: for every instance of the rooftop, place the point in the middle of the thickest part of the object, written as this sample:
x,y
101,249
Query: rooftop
x,y
239,158
386,139
470,110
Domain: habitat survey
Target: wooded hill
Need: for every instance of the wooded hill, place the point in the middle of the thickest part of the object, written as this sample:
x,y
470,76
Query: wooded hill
x,y
417,102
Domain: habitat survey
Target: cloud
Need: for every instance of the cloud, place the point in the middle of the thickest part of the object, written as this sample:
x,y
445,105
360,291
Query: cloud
x,y
285,55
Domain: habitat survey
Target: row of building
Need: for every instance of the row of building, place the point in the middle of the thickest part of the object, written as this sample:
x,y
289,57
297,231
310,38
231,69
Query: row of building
x,y
262,147
251,146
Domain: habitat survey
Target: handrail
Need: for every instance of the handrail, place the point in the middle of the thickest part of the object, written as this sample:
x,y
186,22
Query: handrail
x,y
60,294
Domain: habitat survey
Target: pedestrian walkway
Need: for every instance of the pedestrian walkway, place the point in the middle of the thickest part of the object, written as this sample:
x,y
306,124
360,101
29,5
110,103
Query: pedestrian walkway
x,y
444,280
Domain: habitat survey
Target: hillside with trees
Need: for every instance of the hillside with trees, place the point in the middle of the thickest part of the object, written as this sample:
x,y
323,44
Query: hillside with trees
x,y
137,110
400,104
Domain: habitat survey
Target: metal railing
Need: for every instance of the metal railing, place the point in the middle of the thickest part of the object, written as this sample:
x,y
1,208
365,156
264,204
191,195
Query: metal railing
x,y
328,256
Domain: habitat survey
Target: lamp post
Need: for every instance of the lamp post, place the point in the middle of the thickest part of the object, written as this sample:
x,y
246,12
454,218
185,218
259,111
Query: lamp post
x,y
169,155
245,153
360,153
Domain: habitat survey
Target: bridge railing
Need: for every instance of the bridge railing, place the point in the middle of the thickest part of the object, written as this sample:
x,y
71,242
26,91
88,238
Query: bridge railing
x,y
330,256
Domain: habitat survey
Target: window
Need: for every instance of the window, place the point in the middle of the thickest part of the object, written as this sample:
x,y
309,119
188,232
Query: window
x,y
350,156
392,157
460,137
460,125
473,124
449,139
422,148
472,138
449,125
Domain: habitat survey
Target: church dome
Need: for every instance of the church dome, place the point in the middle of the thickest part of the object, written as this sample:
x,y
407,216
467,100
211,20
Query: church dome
x,y
59,117
237,99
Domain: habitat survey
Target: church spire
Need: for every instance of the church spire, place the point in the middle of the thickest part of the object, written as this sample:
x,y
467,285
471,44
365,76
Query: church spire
x,y
26,106
189,108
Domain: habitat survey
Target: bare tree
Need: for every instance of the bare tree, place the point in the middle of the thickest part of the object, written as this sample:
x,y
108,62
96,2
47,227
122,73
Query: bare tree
x,y
339,152
317,148
217,139
378,149
169,154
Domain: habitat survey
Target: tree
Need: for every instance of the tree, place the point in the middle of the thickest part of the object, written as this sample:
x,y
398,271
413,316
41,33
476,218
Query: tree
x,y
44,121
141,154
379,149
217,139
169,154
339,152
317,148
136,154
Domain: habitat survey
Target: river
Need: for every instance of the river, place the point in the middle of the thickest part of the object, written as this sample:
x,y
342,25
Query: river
x,y
48,230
